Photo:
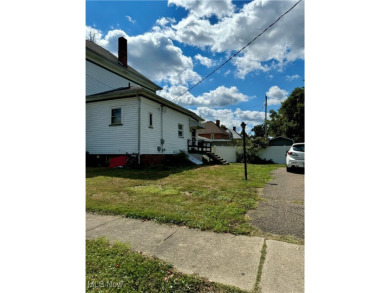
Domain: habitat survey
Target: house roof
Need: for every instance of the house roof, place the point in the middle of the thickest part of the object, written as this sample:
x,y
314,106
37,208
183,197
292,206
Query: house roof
x,y
102,57
211,127
133,92
235,134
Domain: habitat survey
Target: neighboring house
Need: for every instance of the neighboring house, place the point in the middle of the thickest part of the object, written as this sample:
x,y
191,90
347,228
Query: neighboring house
x,y
276,150
222,141
213,131
125,115
234,135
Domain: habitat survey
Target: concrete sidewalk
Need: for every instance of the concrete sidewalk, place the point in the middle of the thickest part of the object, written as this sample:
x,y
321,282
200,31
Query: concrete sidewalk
x,y
223,258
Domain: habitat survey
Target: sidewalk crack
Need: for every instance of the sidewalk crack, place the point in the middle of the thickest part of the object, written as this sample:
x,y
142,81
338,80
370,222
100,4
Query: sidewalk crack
x,y
102,224
158,245
260,269
170,236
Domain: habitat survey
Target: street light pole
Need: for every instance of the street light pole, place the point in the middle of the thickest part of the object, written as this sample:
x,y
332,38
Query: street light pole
x,y
243,135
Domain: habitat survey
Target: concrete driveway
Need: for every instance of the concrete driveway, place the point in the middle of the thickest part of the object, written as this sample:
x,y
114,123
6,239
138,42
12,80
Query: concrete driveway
x,y
281,209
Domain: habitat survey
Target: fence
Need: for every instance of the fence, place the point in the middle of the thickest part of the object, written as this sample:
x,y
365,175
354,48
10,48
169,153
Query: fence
x,y
228,153
275,153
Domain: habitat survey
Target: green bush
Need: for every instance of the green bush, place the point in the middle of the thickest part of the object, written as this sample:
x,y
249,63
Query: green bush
x,y
252,158
179,159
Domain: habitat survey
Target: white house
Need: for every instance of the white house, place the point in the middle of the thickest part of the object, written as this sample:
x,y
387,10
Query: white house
x,y
125,115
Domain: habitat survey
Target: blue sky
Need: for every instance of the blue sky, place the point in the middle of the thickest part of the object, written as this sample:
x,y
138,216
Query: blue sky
x,y
177,42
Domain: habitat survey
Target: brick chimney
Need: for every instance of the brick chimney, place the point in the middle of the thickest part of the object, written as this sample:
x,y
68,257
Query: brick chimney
x,y
217,122
122,51
234,128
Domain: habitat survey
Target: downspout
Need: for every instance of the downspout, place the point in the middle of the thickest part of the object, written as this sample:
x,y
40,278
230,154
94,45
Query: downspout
x,y
139,129
162,133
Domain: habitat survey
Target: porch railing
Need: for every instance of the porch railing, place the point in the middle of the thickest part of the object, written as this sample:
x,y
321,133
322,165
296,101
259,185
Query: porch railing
x,y
198,146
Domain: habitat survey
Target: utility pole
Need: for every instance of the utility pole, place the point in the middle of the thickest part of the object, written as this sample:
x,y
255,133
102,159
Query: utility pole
x,y
265,123
243,135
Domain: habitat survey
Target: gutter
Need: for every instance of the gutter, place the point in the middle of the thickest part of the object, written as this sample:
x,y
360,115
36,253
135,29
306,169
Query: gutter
x,y
162,133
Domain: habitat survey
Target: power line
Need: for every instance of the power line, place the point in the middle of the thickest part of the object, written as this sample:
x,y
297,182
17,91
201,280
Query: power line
x,y
235,54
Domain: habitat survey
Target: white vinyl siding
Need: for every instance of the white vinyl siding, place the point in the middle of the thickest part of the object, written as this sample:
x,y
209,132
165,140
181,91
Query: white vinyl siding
x,y
101,138
104,138
173,143
150,136
100,80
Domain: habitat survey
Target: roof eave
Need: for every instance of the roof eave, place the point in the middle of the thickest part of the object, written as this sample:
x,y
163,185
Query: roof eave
x,y
140,91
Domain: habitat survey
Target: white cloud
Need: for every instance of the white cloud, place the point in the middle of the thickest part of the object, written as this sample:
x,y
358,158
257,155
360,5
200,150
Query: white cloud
x,y
246,64
205,8
204,61
224,115
292,77
231,118
130,19
276,95
153,54
249,116
283,43
163,21
195,31
220,97
92,33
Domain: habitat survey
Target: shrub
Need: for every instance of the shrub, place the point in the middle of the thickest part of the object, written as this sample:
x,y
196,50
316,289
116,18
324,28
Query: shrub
x,y
252,158
179,159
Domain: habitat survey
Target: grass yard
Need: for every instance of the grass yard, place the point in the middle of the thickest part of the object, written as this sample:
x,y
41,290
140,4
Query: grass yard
x,y
207,197
116,268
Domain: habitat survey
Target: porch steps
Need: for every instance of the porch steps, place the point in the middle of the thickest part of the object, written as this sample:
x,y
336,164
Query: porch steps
x,y
216,158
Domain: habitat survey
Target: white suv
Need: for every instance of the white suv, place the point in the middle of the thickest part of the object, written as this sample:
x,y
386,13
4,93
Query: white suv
x,y
295,156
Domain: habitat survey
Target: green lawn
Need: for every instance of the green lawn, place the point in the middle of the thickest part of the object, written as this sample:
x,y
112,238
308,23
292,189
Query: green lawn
x,y
116,268
207,197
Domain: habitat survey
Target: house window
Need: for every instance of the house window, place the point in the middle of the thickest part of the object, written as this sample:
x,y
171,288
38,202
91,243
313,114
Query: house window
x,y
180,130
212,136
150,120
116,116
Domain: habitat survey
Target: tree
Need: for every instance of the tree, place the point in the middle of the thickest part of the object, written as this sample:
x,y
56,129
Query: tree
x,y
289,121
258,138
258,130
224,127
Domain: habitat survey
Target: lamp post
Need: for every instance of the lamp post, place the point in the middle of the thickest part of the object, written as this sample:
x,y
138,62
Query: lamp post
x,y
243,135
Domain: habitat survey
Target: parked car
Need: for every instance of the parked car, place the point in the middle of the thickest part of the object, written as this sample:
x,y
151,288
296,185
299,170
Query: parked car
x,y
295,157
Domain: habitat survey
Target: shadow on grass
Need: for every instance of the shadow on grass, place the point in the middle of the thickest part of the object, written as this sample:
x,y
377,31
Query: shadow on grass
x,y
144,173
